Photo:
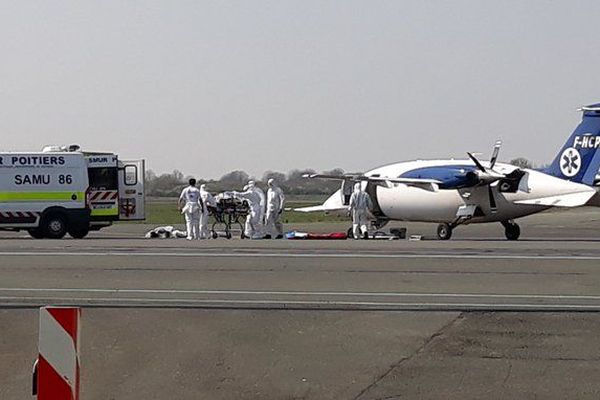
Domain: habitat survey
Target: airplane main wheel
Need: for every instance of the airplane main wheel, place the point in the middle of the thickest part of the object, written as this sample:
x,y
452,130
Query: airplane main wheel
x,y
512,231
444,231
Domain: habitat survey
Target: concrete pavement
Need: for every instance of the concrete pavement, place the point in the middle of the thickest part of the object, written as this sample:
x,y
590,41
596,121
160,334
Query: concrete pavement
x,y
473,317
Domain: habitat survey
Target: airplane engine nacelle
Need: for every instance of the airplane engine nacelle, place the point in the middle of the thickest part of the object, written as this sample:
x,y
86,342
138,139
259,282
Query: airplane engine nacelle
x,y
486,178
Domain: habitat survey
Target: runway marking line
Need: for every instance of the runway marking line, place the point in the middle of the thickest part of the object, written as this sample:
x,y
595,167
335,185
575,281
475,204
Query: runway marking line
x,y
297,255
306,293
282,304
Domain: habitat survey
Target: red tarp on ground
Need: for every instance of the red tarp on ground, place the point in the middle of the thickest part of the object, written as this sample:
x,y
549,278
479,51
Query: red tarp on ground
x,y
316,236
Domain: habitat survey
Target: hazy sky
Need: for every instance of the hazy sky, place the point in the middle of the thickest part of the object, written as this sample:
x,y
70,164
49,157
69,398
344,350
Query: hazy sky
x,y
211,86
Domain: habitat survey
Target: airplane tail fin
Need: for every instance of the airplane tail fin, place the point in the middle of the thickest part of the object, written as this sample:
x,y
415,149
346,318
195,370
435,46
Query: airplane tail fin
x,y
579,159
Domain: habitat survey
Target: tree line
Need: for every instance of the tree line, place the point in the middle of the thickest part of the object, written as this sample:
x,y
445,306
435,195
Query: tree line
x,y
170,184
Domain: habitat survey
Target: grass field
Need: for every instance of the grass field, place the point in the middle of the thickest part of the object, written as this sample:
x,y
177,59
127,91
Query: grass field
x,y
163,211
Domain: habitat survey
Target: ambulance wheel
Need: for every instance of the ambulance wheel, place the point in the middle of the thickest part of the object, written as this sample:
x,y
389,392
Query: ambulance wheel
x,y
36,233
54,226
512,231
79,233
444,231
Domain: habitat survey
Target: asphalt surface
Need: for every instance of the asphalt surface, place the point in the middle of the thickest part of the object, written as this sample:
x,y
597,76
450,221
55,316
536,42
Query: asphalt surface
x,y
473,317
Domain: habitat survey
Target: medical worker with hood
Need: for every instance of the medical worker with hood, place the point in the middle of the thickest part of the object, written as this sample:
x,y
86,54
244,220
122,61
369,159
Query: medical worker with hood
x,y
191,206
253,226
360,204
275,200
207,201
263,205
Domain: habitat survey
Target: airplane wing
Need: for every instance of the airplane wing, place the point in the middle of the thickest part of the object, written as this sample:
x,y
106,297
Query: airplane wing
x,y
377,179
427,184
322,207
562,200
333,203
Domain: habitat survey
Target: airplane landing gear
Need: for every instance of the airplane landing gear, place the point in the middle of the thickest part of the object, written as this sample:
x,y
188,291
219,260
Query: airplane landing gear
x,y
511,230
444,231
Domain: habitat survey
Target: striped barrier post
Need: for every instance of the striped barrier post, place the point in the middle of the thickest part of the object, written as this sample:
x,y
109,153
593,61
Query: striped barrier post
x,y
57,374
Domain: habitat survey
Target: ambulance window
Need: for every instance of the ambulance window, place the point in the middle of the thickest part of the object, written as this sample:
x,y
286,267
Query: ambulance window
x,y
103,178
131,175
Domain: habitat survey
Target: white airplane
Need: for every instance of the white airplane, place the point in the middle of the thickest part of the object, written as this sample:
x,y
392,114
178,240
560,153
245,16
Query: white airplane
x,y
456,192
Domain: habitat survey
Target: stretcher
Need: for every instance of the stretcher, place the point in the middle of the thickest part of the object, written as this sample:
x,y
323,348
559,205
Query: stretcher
x,y
229,215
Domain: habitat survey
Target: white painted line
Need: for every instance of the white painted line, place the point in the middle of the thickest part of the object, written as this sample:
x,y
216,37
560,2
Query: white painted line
x,y
296,255
304,293
284,303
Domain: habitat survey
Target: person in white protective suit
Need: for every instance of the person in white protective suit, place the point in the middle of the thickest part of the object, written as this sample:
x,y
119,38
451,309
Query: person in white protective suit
x,y
252,228
275,201
260,229
207,201
360,204
191,206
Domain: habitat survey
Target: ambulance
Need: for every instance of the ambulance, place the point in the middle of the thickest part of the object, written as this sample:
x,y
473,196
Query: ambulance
x,y
64,190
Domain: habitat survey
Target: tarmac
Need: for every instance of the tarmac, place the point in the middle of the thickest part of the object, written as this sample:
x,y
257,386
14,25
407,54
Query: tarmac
x,y
473,317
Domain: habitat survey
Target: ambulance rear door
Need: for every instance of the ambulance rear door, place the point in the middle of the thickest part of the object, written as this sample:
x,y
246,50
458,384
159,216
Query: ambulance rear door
x,y
132,196
103,193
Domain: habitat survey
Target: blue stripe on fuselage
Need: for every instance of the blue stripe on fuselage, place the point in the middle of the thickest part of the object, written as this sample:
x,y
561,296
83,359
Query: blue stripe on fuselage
x,y
452,176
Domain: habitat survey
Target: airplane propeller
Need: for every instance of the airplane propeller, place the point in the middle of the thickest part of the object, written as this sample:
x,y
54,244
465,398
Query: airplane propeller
x,y
493,207
495,153
487,176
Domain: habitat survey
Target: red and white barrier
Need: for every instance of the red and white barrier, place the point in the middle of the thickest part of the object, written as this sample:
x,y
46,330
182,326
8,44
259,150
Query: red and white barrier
x,y
58,360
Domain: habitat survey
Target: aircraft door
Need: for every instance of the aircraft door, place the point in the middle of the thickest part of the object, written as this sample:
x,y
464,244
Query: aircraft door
x,y
346,191
371,190
132,196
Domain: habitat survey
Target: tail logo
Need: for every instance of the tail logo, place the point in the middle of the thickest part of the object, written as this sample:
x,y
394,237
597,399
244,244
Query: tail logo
x,y
570,162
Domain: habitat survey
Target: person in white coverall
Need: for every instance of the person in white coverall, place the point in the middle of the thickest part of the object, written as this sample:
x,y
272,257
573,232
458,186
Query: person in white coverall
x,y
275,200
360,204
191,206
252,228
260,229
207,201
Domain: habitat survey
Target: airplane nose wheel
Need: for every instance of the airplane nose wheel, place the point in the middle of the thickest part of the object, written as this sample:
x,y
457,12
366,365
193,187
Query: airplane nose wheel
x,y
511,230
444,231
